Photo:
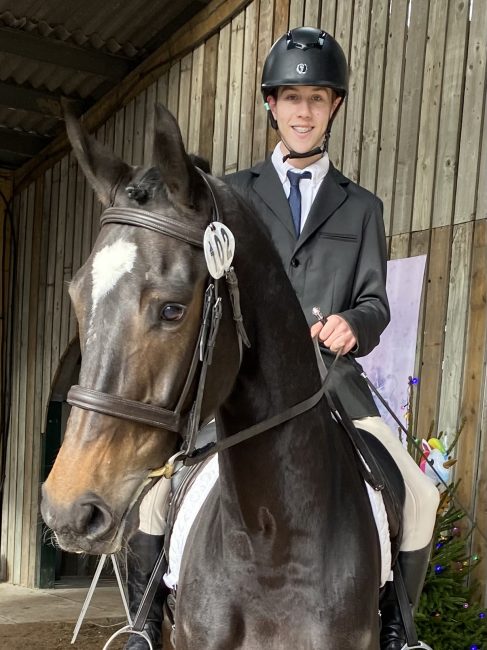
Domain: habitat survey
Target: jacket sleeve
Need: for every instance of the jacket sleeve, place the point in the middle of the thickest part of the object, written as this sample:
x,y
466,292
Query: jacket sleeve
x,y
369,313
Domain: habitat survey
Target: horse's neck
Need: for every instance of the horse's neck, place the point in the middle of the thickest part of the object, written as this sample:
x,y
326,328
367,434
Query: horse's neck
x,y
262,472
278,371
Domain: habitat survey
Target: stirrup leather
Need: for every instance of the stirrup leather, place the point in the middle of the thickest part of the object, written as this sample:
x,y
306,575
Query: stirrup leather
x,y
412,642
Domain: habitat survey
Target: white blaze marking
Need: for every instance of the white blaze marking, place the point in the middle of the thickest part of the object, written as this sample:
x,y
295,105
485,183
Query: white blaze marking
x,y
109,265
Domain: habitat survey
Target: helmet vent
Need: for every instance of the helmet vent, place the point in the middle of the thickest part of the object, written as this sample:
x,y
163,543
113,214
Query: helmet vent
x,y
315,43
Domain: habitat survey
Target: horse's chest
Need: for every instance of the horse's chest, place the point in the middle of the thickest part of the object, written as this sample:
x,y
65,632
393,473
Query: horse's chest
x,y
248,624
277,609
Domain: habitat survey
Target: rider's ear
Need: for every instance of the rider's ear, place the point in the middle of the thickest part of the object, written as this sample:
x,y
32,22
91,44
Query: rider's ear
x,y
102,168
177,171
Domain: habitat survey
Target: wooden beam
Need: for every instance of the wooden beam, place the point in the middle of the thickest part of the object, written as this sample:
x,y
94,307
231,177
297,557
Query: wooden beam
x,y
10,161
66,55
206,23
20,142
36,101
180,14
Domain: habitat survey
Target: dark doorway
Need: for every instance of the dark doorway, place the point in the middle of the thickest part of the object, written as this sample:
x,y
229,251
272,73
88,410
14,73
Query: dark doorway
x,y
58,568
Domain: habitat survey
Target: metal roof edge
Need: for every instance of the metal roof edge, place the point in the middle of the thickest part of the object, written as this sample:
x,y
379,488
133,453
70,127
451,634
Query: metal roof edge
x,y
201,27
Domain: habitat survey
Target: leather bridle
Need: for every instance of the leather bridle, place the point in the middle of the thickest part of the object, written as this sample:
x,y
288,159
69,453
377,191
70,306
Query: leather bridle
x,y
176,420
149,414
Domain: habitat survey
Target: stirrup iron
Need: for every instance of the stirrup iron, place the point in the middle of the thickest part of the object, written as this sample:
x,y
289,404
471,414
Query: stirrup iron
x,y
127,629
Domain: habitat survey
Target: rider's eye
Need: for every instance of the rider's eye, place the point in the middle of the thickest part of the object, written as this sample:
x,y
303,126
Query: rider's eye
x,y
172,312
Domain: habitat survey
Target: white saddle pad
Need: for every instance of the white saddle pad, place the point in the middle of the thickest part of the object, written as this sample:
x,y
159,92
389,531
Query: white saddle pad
x,y
192,502
200,489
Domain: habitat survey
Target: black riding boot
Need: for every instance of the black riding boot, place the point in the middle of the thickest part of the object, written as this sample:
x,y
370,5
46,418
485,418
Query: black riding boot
x,y
142,554
414,565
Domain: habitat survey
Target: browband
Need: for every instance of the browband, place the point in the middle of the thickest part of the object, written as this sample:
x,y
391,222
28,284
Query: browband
x,y
153,221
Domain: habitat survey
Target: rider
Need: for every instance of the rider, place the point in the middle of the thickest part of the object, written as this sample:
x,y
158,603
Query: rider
x,y
335,257
334,253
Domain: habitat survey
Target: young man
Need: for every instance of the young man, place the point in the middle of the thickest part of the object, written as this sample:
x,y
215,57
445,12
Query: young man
x,y
330,235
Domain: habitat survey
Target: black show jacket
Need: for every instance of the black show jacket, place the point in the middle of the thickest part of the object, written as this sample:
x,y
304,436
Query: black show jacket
x,y
338,263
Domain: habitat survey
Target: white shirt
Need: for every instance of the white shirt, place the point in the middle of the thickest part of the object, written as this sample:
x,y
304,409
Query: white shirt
x,y
308,187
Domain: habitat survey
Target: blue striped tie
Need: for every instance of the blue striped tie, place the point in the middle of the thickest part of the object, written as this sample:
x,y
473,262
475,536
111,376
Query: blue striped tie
x,y
295,198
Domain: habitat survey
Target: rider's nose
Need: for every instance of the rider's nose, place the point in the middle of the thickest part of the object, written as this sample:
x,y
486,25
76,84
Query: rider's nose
x,y
304,108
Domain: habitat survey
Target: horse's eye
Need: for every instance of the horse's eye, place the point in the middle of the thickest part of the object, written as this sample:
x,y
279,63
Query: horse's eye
x,y
172,312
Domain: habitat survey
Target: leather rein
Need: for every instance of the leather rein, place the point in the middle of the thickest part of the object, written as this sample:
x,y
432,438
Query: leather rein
x,y
175,420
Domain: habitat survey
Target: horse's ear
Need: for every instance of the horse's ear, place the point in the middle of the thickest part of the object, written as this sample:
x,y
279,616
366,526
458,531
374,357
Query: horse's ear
x,y
101,167
177,171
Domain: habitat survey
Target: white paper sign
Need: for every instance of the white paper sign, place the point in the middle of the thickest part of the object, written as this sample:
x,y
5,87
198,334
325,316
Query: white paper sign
x,y
391,363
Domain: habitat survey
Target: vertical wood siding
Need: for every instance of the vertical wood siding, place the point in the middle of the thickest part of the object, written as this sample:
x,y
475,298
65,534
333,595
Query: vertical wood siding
x,y
413,130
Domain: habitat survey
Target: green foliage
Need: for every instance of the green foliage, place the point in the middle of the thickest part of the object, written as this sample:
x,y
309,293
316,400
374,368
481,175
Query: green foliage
x,y
449,616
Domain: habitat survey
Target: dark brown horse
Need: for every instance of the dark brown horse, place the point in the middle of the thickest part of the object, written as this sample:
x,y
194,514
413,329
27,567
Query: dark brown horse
x,y
284,553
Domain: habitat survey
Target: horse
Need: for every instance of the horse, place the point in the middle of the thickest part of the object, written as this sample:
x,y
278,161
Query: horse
x,y
284,553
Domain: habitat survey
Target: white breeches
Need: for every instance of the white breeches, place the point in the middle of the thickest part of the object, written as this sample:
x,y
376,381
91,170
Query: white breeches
x,y
422,496
154,507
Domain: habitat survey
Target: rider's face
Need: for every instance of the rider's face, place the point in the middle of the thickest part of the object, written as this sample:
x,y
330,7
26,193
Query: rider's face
x,y
302,114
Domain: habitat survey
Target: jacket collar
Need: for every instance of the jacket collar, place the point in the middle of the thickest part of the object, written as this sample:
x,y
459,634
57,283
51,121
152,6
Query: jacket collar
x,y
330,197
269,187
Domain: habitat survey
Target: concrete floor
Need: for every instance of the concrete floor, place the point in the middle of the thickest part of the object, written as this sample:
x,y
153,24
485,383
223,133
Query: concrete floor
x,y
23,605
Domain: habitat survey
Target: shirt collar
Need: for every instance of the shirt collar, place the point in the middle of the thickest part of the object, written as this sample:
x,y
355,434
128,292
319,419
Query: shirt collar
x,y
318,169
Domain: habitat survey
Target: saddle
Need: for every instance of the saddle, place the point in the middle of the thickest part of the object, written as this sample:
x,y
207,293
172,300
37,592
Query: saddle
x,y
374,463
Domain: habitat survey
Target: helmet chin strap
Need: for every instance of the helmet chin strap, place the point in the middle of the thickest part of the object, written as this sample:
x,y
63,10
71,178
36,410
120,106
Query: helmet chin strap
x,y
307,154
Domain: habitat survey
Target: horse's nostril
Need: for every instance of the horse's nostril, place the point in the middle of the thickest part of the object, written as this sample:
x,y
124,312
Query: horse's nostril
x,y
92,518
99,522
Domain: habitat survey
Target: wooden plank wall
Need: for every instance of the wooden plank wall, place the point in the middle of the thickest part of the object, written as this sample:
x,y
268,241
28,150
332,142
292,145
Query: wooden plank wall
x,y
6,289
413,130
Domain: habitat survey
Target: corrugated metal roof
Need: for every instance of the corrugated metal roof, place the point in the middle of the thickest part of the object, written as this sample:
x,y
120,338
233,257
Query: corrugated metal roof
x,y
50,49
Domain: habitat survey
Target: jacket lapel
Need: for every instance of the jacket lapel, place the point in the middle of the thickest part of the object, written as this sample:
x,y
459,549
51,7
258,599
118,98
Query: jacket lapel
x,y
330,197
269,187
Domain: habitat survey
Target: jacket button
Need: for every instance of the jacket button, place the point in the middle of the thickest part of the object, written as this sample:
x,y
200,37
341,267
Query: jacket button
x,y
295,262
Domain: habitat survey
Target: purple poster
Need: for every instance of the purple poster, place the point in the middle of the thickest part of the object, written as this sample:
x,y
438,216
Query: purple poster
x,y
392,362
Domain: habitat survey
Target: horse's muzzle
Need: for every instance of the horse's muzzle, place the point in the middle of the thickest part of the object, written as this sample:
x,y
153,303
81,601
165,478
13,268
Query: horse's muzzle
x,y
85,525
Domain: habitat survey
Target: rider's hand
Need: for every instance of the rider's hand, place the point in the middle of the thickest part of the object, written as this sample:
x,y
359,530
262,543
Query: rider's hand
x,y
335,334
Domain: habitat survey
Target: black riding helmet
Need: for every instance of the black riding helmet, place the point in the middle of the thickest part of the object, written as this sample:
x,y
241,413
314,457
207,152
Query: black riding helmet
x,y
305,56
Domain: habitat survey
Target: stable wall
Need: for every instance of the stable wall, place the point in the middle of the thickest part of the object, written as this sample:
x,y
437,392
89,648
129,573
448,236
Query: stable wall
x,y
5,303
413,131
